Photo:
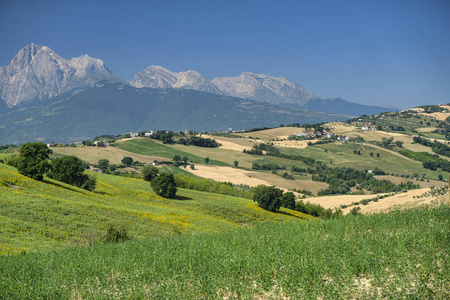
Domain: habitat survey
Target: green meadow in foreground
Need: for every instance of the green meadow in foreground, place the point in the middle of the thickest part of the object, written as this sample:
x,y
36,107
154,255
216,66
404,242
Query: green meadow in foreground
x,y
400,254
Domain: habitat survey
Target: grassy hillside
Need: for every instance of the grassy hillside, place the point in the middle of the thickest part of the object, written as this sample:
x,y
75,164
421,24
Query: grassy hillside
x,y
36,216
402,254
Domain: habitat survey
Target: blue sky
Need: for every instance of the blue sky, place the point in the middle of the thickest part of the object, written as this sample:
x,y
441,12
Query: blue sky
x,y
372,52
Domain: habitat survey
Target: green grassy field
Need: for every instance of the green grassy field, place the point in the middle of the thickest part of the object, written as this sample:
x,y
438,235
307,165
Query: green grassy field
x,y
151,147
37,216
398,255
341,155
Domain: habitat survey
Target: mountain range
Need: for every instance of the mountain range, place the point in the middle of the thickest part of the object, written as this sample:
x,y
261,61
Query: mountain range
x,y
37,78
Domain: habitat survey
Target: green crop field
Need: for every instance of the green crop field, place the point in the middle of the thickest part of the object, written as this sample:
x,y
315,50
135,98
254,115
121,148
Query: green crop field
x,y
398,255
36,216
341,155
151,147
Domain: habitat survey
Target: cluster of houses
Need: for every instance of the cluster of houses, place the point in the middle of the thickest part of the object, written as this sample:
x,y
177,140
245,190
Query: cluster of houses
x,y
316,134
368,126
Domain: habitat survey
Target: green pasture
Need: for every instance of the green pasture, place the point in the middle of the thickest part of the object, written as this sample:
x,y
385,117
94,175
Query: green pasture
x,y
341,155
151,147
37,216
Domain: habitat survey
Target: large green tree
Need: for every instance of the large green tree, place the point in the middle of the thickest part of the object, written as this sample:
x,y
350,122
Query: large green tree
x,y
288,200
33,160
268,197
69,169
165,185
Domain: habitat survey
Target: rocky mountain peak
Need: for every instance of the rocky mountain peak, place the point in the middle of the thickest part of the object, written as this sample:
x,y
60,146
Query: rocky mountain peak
x,y
159,77
38,72
263,87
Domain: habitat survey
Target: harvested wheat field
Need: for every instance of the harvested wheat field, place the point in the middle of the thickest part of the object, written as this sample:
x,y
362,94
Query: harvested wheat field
x,y
423,184
336,201
275,133
113,154
227,174
402,200
236,144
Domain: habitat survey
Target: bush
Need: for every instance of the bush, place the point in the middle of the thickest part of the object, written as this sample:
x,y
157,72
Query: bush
x,y
165,185
115,234
90,183
127,161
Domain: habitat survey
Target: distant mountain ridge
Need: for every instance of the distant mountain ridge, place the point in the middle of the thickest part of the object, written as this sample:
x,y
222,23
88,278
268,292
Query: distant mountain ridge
x,y
159,77
261,87
37,72
116,108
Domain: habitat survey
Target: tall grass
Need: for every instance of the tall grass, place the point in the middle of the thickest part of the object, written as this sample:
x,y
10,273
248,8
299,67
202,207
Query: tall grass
x,y
401,254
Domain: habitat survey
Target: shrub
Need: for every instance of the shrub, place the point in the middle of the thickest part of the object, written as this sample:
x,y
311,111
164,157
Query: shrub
x,y
115,234
127,161
165,185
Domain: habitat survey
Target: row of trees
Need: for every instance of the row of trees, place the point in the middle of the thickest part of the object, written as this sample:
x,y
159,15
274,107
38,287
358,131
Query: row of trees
x,y
33,161
437,147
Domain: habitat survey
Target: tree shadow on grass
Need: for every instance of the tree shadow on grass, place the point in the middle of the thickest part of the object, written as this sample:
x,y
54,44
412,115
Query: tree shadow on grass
x,y
182,198
57,184
289,214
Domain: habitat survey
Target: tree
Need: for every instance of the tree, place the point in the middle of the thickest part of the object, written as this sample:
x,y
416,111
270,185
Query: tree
x,y
440,177
192,167
176,158
185,159
206,160
378,155
149,172
33,160
268,197
236,163
103,164
288,200
68,169
127,161
165,185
